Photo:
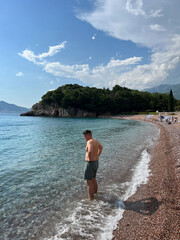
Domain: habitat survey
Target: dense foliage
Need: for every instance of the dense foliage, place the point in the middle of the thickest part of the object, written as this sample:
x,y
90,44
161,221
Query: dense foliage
x,y
103,101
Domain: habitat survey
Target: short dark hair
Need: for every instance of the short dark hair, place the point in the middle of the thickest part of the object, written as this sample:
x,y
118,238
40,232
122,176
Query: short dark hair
x,y
87,132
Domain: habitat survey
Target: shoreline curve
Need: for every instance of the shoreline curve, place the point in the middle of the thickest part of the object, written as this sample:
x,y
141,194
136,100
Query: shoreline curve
x,y
153,212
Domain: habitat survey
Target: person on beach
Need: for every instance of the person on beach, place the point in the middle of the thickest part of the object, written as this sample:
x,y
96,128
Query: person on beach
x,y
93,151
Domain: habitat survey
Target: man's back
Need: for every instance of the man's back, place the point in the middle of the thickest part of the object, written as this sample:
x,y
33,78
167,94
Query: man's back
x,y
93,150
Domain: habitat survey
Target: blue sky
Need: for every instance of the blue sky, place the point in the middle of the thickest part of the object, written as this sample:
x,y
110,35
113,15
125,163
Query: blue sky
x,y
48,43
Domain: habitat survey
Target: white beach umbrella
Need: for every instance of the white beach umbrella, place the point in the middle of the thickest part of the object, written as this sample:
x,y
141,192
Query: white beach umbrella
x,y
167,118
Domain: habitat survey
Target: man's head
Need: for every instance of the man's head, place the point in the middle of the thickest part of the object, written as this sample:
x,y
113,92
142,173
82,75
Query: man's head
x,y
87,134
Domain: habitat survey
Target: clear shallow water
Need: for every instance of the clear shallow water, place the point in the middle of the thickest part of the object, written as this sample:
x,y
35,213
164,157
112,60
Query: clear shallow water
x,y
41,175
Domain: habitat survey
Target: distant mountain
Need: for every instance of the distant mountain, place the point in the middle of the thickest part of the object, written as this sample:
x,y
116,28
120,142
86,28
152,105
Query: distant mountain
x,y
11,108
165,88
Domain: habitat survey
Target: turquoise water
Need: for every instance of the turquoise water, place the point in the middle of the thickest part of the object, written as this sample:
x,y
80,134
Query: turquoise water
x,y
41,175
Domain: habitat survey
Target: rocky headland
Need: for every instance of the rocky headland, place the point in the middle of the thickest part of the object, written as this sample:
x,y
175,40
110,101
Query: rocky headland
x,y
40,110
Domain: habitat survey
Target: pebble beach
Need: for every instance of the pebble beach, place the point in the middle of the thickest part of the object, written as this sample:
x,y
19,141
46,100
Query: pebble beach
x,y
153,212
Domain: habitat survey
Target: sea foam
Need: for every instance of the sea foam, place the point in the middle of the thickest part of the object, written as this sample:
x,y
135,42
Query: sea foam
x,y
96,220
140,176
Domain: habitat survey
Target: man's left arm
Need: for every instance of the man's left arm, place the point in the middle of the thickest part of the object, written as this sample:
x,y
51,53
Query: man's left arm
x,y
100,148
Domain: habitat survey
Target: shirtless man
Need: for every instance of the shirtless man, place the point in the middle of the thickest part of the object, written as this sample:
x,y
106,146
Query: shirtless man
x,y
93,151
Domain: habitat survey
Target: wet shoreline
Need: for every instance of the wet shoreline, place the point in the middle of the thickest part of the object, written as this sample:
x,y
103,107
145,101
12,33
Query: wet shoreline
x,y
153,212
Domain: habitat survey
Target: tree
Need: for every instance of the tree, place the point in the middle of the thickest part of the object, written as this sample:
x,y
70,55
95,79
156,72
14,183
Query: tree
x,y
170,101
162,104
103,101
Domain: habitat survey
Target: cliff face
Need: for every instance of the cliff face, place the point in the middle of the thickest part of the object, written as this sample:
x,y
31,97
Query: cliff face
x,y
50,111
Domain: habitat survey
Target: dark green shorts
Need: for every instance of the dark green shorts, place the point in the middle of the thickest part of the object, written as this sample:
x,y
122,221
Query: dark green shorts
x,y
90,170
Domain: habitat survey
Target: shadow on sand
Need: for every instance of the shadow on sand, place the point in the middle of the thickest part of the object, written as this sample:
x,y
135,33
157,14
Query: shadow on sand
x,y
146,206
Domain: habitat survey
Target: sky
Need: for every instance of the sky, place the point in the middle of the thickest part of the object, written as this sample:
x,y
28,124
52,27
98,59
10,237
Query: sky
x,y
45,44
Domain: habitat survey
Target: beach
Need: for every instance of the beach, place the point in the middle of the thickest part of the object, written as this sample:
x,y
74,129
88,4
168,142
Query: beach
x,y
153,212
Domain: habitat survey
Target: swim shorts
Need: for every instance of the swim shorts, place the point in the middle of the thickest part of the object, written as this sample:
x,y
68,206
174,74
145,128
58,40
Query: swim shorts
x,y
90,170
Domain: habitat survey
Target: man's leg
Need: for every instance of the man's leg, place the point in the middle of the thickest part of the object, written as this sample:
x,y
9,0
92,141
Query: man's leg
x,y
90,187
95,185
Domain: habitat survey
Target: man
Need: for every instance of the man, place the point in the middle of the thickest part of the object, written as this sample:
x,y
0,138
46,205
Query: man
x,y
93,151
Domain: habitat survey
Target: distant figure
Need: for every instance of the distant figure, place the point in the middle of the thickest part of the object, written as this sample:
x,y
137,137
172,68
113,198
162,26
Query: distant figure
x,y
175,119
161,117
93,151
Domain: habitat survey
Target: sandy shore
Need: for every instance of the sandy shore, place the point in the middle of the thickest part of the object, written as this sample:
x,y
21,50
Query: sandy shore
x,y
153,212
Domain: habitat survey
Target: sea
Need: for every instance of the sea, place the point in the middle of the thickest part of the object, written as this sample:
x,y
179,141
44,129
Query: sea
x,y
43,195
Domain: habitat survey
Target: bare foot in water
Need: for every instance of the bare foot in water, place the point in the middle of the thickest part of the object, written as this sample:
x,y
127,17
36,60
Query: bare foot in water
x,y
88,199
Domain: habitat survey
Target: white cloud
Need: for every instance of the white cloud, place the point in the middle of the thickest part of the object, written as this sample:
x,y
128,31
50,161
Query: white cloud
x,y
157,27
156,13
154,24
162,65
52,50
37,59
70,71
135,7
127,72
129,61
131,20
29,55
19,74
